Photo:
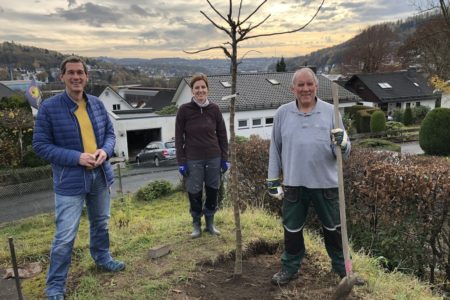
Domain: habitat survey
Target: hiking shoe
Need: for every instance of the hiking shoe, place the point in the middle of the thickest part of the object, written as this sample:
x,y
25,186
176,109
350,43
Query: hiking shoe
x,y
283,277
56,297
112,266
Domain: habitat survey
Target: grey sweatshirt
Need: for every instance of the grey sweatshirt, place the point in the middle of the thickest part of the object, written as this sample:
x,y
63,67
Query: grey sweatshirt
x,y
301,148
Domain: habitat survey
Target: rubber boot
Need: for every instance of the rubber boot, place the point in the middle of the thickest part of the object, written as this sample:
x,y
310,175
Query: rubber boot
x,y
210,228
197,223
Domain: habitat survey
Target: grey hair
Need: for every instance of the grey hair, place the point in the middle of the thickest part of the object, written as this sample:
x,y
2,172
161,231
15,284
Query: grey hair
x,y
305,69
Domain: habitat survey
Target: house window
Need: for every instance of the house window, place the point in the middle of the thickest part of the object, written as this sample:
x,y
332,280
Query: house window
x,y
242,124
384,85
256,122
116,106
269,121
225,84
273,81
408,104
398,105
106,93
417,104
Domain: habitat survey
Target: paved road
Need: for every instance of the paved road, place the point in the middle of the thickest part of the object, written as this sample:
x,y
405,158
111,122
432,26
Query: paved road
x,y
411,148
19,207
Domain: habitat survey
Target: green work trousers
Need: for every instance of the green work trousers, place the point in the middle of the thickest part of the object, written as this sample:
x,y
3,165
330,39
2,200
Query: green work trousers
x,y
296,202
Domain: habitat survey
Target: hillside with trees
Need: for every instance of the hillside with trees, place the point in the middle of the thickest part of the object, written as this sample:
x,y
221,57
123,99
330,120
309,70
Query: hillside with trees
x,y
384,47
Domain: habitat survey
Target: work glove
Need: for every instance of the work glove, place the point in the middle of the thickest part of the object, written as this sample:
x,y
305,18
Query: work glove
x,y
224,165
183,169
275,189
339,137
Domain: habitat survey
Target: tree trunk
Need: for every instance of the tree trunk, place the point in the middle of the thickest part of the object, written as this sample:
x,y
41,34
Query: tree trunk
x,y
233,171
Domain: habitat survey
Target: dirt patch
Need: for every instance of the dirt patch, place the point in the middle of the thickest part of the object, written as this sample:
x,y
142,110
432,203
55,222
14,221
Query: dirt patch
x,y
216,281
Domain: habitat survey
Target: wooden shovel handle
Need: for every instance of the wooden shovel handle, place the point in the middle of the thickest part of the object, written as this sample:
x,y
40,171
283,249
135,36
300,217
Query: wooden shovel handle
x,y
345,248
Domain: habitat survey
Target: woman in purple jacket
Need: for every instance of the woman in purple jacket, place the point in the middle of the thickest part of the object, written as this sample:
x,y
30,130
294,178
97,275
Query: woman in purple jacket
x,y
202,152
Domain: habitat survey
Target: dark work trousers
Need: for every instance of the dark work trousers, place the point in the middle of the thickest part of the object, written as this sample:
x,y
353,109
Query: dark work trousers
x,y
295,209
203,173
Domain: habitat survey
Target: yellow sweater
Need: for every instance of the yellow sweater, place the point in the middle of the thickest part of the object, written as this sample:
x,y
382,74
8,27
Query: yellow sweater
x,y
87,132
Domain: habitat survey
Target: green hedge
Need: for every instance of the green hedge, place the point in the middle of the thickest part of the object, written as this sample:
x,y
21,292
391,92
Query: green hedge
x,y
434,135
16,176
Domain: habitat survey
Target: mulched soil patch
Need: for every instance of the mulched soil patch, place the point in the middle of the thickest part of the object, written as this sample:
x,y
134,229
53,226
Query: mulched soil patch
x,y
216,281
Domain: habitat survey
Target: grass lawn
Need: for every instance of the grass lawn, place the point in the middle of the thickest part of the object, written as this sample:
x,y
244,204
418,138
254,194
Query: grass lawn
x,y
136,227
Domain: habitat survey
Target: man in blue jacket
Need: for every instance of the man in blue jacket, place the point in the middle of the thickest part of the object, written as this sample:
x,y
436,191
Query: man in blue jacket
x,y
74,133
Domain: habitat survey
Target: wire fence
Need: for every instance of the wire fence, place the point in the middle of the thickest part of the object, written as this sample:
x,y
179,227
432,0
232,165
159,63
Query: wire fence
x,y
25,199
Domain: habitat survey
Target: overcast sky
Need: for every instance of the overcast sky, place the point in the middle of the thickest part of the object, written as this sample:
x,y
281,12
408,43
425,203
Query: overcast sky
x,y
164,28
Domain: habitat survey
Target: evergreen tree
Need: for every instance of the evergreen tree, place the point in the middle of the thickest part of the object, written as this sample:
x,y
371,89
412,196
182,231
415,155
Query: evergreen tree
x,y
281,65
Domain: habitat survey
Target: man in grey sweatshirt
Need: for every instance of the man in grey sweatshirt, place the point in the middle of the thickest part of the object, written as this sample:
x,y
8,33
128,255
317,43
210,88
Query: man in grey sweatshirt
x,y
302,153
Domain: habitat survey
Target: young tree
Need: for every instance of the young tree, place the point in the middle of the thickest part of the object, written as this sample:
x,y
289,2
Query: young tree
x,y
239,29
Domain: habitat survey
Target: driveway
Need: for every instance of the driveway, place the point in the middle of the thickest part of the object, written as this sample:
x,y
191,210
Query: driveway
x,y
411,148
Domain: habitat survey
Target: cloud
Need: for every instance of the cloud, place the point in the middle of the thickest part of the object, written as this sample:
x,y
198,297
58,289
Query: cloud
x,y
139,10
92,14
71,3
28,38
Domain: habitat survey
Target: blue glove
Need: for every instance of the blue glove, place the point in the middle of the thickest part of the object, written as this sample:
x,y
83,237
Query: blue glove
x,y
183,169
224,165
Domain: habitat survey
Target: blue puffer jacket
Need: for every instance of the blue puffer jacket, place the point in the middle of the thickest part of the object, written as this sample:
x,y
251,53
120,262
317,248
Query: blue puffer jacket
x,y
57,139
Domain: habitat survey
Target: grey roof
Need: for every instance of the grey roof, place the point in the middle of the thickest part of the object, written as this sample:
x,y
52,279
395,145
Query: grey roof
x,y
155,98
404,85
5,91
256,92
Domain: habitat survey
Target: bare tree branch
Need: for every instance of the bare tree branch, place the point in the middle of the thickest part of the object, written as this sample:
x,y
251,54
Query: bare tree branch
x,y
250,15
243,56
239,12
224,49
217,12
250,28
215,24
285,32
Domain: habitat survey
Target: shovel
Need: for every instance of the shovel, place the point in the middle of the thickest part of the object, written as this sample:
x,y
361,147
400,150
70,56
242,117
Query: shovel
x,y
346,285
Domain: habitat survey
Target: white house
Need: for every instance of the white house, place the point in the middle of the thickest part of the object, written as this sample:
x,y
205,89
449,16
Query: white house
x,y
260,94
135,122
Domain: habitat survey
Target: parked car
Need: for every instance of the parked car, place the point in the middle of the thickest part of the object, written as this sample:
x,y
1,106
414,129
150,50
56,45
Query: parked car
x,y
157,152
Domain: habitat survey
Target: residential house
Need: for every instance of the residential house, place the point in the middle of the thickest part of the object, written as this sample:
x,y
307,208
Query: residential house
x,y
393,90
260,94
135,122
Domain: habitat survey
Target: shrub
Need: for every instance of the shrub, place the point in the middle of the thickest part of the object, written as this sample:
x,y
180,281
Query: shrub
x,y
362,120
154,190
398,208
379,144
378,121
241,139
419,113
252,163
31,159
398,115
435,132
167,110
16,176
408,116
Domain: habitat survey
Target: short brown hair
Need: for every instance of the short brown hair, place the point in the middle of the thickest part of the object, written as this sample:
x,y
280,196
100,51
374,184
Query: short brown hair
x,y
197,77
72,59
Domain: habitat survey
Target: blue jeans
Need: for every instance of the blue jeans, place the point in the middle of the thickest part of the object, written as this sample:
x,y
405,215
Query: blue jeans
x,y
67,213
